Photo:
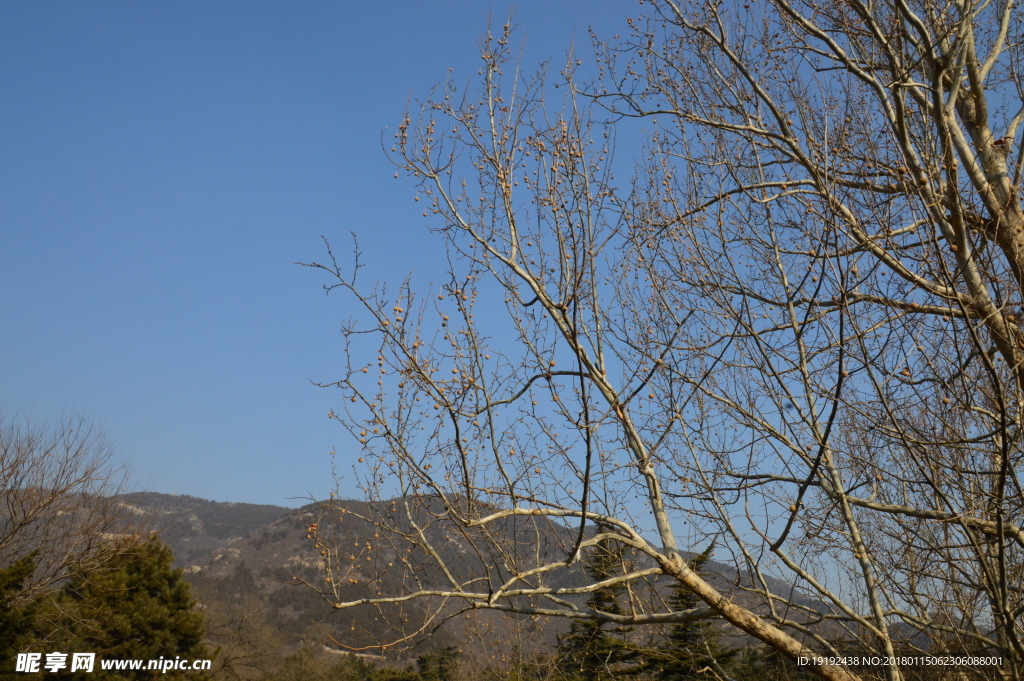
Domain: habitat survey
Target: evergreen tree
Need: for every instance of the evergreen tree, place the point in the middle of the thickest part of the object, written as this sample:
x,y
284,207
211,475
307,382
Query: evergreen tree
x,y
594,650
688,647
16,620
439,665
129,602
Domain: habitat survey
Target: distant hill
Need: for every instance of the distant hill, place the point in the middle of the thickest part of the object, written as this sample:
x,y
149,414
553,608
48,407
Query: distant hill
x,y
248,556
193,526
244,560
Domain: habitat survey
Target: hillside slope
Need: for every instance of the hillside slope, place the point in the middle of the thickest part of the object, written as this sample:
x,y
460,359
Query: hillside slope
x,y
258,571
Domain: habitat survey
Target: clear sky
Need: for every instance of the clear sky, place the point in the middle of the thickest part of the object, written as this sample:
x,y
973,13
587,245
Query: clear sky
x,y
162,165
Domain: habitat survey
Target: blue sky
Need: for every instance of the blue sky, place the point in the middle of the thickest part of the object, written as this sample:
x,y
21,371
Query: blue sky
x,y
162,165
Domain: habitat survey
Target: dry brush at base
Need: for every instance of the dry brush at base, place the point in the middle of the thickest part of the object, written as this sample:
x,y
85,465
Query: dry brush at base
x,y
796,331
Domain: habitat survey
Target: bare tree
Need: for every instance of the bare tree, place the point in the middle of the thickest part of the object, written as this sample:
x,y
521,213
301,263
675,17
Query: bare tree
x,y
245,641
796,331
56,489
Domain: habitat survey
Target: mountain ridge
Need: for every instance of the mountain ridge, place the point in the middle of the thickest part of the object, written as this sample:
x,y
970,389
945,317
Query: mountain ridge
x,y
253,568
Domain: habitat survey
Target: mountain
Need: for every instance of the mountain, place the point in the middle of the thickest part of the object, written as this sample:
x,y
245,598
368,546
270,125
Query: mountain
x,y
193,527
257,571
252,568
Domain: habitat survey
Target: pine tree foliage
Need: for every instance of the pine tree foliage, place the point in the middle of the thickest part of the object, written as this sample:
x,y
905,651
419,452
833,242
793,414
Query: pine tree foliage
x,y
439,665
594,650
690,647
129,602
16,619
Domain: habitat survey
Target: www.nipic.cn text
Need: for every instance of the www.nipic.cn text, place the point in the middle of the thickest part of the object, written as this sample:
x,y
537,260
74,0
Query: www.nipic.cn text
x,y
31,663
